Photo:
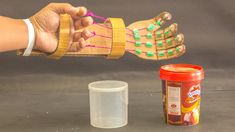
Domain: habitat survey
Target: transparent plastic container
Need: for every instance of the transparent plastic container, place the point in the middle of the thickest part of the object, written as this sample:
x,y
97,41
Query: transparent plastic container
x,y
108,104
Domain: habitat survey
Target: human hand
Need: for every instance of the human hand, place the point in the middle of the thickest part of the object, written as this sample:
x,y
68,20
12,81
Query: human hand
x,y
46,23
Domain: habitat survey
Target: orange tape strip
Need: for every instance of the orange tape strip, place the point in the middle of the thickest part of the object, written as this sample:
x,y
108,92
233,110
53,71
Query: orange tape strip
x,y
64,36
119,38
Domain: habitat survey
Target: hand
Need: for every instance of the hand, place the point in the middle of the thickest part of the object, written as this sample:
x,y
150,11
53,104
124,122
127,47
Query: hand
x,y
146,39
46,24
151,42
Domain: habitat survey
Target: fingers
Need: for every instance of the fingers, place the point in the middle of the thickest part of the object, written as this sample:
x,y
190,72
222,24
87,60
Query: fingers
x,y
77,46
83,22
84,34
170,42
162,19
77,13
171,53
79,40
62,8
153,24
167,32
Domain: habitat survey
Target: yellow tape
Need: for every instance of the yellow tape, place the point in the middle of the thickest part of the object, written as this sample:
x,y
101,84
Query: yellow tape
x,y
119,38
64,37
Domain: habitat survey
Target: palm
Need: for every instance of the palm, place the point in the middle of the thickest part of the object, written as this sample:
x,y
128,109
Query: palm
x,y
48,30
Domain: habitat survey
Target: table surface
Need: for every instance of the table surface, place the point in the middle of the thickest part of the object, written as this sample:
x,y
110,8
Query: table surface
x,y
59,103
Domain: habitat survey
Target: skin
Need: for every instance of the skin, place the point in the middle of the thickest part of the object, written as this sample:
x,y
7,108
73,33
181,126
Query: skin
x,y
14,32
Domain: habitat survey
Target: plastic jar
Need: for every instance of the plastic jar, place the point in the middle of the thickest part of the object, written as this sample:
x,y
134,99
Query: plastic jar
x,y
108,104
181,90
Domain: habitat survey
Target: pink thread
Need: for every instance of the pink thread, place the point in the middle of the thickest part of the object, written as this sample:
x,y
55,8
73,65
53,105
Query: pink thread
x,y
94,46
94,34
130,41
90,13
105,26
129,29
142,28
103,36
103,47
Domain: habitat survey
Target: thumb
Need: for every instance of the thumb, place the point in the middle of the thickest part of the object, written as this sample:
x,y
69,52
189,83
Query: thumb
x,y
66,8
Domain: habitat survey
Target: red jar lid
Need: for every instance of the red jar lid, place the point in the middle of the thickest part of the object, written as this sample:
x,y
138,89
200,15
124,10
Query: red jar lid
x,y
181,72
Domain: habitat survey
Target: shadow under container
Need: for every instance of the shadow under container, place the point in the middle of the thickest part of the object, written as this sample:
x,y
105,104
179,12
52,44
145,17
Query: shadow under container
x,y
181,93
108,104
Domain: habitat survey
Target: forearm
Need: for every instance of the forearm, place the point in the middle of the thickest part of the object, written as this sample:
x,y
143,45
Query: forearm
x,y
13,34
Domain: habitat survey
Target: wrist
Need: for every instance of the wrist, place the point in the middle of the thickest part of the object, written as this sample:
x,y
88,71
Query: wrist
x,y
36,32
31,38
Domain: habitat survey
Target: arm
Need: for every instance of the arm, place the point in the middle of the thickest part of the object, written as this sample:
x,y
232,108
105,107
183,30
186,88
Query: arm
x,y
13,34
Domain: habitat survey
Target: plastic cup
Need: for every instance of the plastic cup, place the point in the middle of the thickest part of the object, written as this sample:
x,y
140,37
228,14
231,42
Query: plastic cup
x,y
181,89
108,104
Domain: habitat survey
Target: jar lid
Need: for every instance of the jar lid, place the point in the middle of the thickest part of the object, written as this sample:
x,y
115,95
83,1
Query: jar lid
x,y
181,72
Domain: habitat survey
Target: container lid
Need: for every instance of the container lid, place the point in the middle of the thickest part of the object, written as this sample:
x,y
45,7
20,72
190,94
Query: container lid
x,y
108,86
181,72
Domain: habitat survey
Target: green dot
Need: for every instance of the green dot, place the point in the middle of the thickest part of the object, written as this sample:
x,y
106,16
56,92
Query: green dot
x,y
159,34
136,31
170,52
166,32
177,49
138,51
159,43
137,43
149,36
161,54
148,44
169,42
176,39
137,37
149,54
150,27
159,23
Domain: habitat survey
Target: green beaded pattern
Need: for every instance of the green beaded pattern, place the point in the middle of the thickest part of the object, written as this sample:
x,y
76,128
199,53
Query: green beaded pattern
x,y
176,39
137,37
138,51
168,41
159,23
150,27
170,52
136,31
177,49
137,43
159,43
149,54
159,34
166,32
149,36
161,54
148,44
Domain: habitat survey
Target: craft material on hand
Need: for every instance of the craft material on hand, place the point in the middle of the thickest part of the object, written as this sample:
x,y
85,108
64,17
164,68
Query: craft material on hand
x,y
145,39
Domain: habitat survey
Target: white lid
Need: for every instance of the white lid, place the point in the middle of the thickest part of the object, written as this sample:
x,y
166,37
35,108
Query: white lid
x,y
108,86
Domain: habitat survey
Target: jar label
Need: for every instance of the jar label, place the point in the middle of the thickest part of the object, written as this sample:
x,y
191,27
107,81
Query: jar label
x,y
174,100
181,102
